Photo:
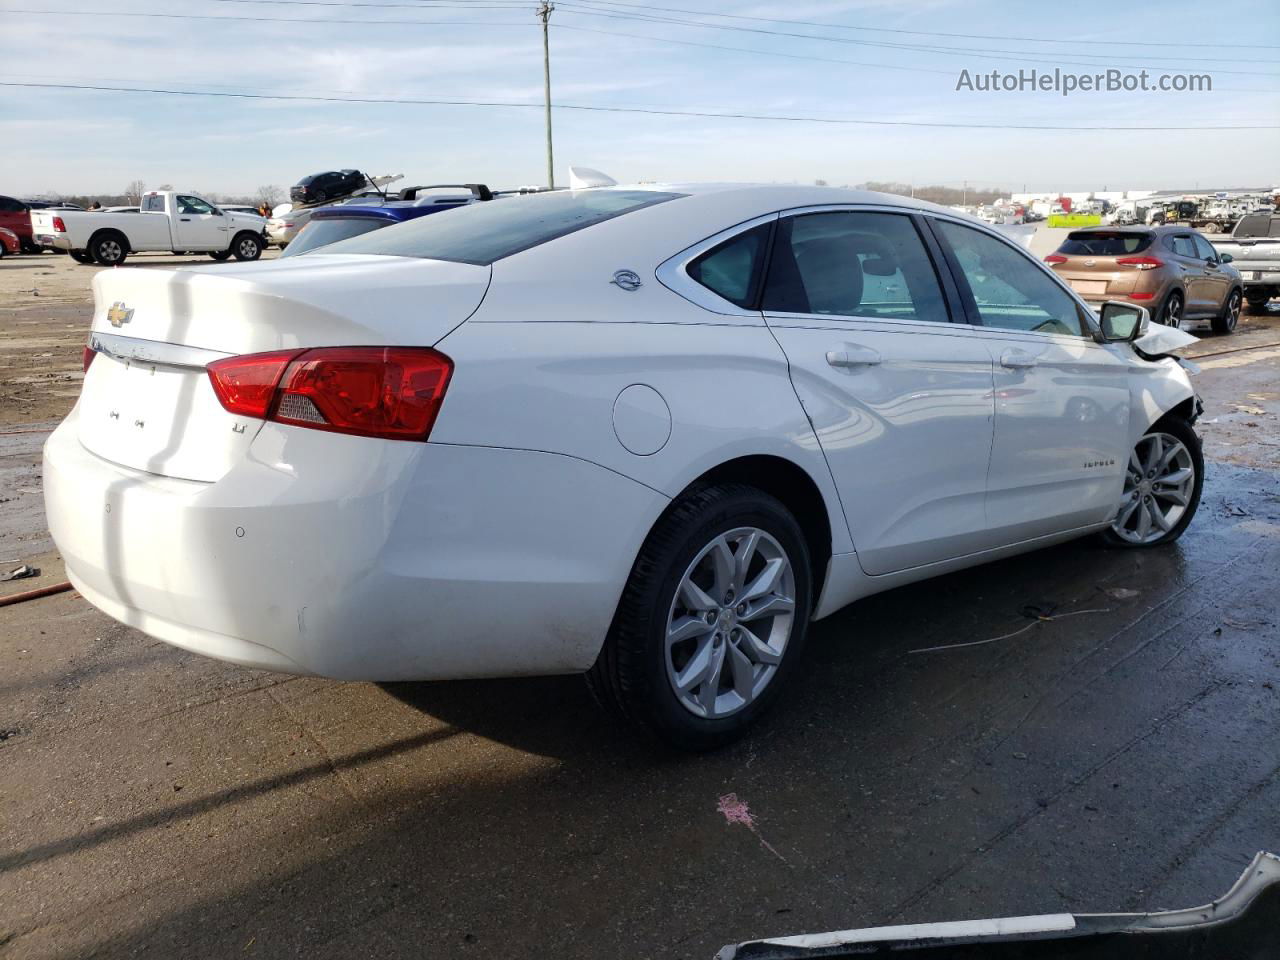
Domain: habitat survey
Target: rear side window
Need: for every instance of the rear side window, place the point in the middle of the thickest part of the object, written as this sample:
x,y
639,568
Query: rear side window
x,y
733,268
153,204
1258,225
849,263
9,205
1116,244
1183,246
481,233
321,233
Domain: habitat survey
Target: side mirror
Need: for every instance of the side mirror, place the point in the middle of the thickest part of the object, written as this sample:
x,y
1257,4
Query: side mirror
x,y
1123,322
1225,258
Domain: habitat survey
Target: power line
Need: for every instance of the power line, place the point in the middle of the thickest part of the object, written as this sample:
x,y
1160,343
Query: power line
x,y
584,12
926,33
630,110
753,52
980,53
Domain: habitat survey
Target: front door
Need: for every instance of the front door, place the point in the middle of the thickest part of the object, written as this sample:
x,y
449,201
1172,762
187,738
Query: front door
x,y
198,226
1061,399
1217,282
899,396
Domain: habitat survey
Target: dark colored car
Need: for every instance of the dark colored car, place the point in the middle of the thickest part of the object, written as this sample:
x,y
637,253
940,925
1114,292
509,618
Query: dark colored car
x,y
331,224
1172,271
16,216
330,185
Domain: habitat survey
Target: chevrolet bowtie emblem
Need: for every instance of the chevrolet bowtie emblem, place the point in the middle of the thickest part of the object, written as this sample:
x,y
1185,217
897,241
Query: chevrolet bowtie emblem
x,y
119,314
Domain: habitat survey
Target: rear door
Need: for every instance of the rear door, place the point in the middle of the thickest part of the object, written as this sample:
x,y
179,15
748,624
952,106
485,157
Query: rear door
x,y
1061,399
1191,269
899,396
198,225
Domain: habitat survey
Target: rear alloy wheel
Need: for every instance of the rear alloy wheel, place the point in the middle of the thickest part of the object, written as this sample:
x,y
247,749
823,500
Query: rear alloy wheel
x,y
1226,321
1162,484
712,620
1171,312
109,250
247,246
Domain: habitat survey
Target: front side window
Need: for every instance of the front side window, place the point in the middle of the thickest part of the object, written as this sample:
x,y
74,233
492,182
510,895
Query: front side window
x,y
1010,291
1204,251
732,269
481,233
193,205
850,263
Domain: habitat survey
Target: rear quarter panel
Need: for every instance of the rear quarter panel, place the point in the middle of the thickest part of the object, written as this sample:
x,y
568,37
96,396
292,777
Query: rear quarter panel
x,y
550,383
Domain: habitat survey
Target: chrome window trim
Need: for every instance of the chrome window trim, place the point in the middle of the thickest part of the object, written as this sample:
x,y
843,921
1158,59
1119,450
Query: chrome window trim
x,y
154,352
672,272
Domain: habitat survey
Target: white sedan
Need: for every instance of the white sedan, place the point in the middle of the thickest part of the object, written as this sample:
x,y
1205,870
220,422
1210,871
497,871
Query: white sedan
x,y
645,433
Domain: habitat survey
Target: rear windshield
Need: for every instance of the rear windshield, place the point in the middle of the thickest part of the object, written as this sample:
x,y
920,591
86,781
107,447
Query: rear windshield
x,y
481,233
1105,244
321,233
1259,225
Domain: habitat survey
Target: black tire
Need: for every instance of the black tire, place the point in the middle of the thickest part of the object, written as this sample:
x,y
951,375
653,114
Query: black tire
x,y
1177,427
81,256
220,254
1225,322
109,248
1258,301
630,677
28,246
1174,302
247,246
320,197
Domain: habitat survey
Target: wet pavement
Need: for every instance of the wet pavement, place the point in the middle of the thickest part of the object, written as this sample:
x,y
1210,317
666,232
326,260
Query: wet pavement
x,y
153,803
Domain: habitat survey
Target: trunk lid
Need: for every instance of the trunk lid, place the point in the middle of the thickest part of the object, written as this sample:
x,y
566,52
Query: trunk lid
x,y
147,402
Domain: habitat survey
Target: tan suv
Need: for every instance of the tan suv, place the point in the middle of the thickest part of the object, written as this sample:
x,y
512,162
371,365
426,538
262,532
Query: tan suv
x,y
1172,271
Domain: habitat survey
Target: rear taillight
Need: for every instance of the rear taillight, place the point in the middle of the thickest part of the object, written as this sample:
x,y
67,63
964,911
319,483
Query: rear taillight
x,y
389,392
247,384
1142,263
59,226
1055,258
87,357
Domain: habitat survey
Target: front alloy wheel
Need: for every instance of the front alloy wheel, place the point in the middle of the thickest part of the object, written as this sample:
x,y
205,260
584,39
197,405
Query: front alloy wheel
x,y
729,622
1161,487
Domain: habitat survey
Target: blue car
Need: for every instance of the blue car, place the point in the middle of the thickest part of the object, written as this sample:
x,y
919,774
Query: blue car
x,y
350,219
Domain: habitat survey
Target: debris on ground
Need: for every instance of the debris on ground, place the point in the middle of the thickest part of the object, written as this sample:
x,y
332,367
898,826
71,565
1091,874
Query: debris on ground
x,y
737,811
20,573
1037,615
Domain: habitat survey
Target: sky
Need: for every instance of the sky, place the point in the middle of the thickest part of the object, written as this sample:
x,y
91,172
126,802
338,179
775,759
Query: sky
x,y
895,63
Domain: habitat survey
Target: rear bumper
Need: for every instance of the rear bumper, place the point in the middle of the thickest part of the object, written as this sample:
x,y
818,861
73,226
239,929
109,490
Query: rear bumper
x,y
52,241
354,558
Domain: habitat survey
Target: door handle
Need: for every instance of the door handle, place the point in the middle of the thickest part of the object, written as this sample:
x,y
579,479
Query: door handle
x,y
185,219
1017,360
853,356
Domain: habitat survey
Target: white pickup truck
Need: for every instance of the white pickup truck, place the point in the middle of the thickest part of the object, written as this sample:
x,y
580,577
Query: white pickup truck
x,y
167,220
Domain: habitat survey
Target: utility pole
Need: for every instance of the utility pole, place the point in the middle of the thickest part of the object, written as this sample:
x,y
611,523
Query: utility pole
x,y
964,194
544,14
